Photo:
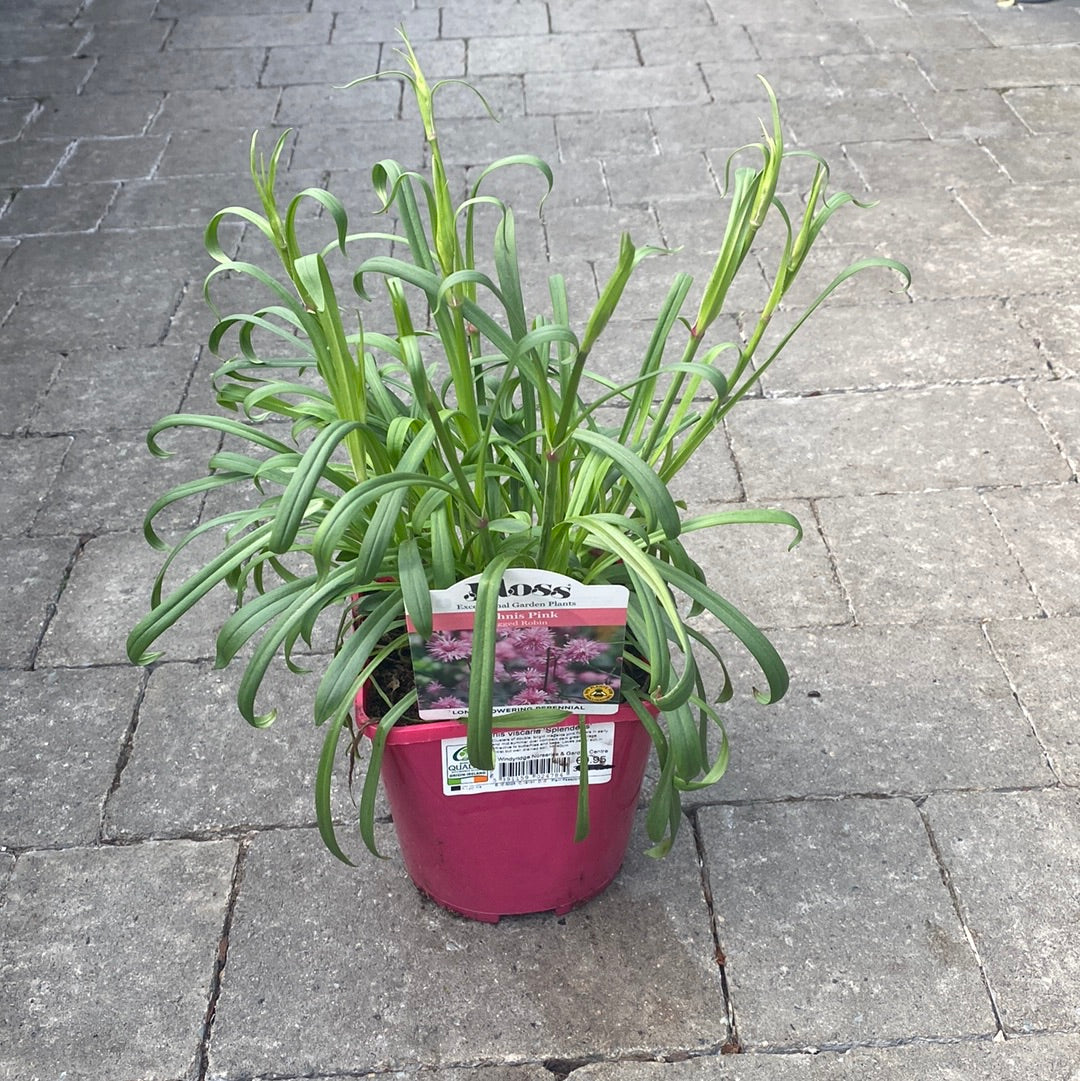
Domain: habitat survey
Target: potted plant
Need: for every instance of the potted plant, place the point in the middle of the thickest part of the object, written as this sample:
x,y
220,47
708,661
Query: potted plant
x,y
462,444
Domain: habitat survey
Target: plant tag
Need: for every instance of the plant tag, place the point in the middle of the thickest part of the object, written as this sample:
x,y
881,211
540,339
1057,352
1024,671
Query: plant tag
x,y
559,644
531,758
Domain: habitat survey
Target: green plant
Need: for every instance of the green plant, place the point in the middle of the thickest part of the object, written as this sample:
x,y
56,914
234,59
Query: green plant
x,y
468,438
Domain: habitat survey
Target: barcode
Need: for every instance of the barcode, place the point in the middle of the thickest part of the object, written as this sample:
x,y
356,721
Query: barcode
x,y
534,767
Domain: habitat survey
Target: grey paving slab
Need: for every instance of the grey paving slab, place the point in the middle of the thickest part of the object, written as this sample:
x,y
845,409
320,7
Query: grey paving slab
x,y
57,210
1046,109
1014,1060
902,168
775,587
1052,322
846,347
92,387
837,927
60,750
1003,69
206,110
289,968
965,114
123,157
887,710
1037,655
576,15
197,766
107,593
379,22
231,31
74,316
1057,403
930,31
24,386
28,472
924,556
891,441
108,957
1014,860
848,118
1020,211
614,88
672,44
109,480
779,40
789,77
1046,159
1040,525
1025,24
552,52
30,161
870,72
41,76
32,573
180,70
994,267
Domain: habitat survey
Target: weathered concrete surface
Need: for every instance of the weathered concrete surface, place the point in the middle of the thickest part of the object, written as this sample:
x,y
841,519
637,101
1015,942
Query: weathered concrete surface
x,y
904,823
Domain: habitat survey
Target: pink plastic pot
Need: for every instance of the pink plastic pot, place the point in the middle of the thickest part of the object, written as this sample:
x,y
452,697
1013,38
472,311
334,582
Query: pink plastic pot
x,y
493,853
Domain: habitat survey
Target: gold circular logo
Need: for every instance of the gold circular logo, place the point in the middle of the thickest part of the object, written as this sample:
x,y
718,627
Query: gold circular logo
x,y
598,692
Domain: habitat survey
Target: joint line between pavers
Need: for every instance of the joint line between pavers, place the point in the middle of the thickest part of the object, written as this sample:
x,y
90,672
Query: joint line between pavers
x,y
54,603
732,1044
1011,548
127,746
1048,757
222,958
1054,437
954,896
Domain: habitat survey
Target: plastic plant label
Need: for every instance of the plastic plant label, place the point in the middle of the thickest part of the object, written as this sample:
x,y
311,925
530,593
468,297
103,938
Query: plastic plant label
x,y
559,644
531,758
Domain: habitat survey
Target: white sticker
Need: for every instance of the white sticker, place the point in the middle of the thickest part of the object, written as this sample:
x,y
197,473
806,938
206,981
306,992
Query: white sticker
x,y
531,758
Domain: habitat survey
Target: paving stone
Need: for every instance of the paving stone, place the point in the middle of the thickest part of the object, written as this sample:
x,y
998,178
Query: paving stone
x,y
551,52
318,104
108,956
1041,526
1023,65
93,387
930,31
1046,109
900,168
1020,212
1037,656
752,567
24,386
108,592
904,345
1025,24
1014,860
965,114
793,77
75,316
110,479
125,157
1054,322
31,575
180,70
30,161
780,40
28,471
1045,159
24,42
882,710
207,110
673,44
32,211
107,40
578,15
683,128
60,752
196,766
1015,1060
614,88
924,556
41,76
894,72
124,260
847,118
380,22
232,31
287,964
1057,402
835,924
994,267
891,441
